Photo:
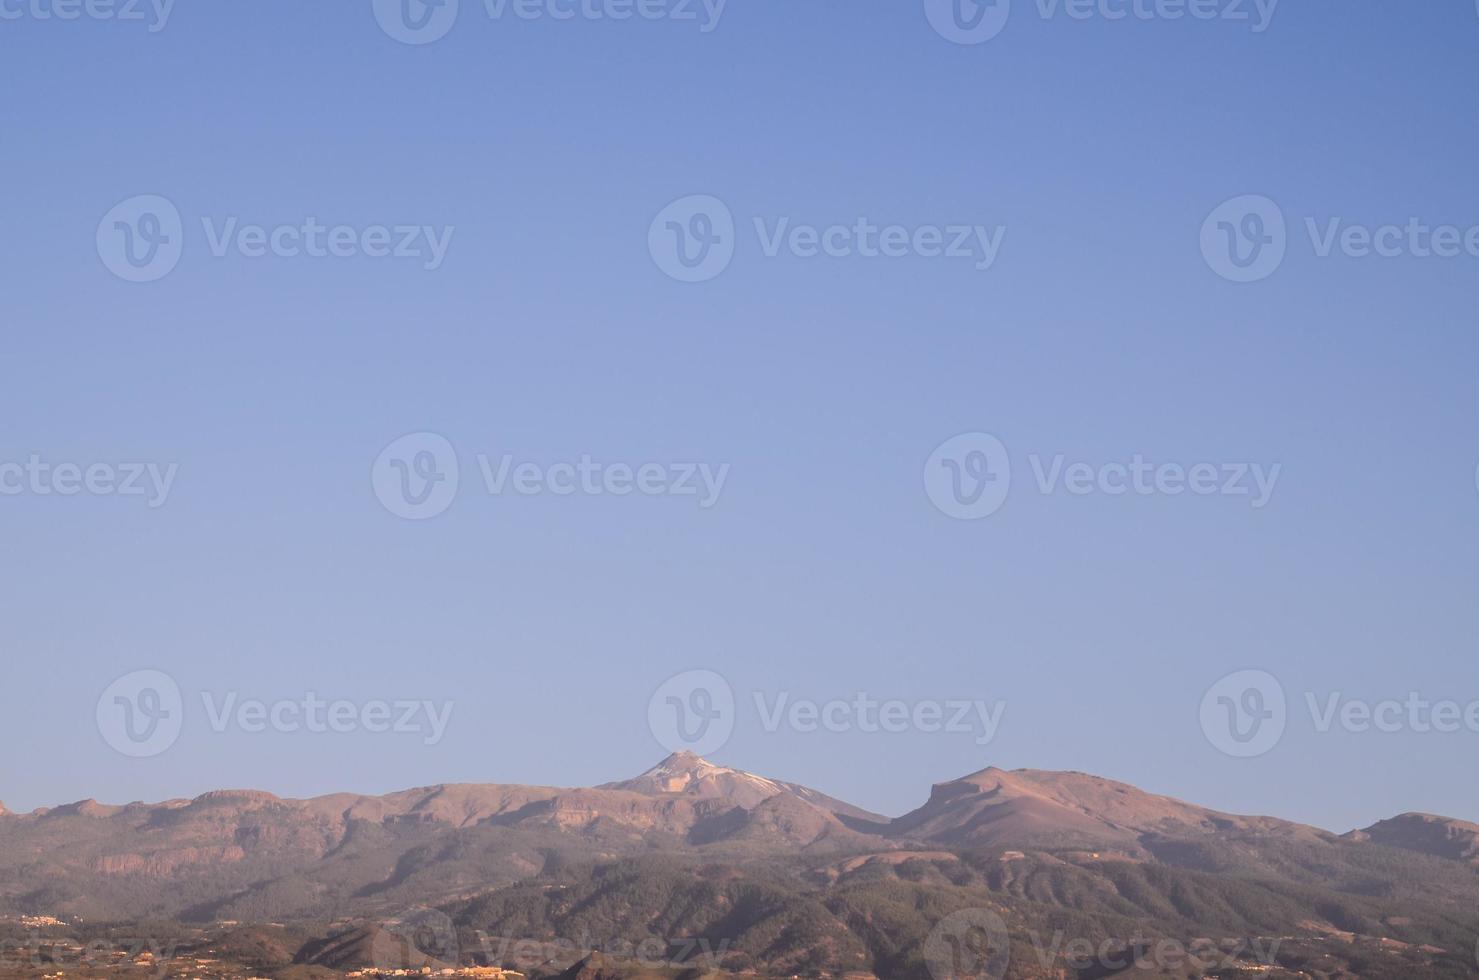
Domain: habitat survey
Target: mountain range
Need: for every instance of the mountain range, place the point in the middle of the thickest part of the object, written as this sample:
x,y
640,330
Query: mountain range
x,y
784,878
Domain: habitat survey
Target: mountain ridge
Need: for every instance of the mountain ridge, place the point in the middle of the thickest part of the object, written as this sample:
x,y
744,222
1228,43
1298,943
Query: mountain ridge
x,y
799,880
686,775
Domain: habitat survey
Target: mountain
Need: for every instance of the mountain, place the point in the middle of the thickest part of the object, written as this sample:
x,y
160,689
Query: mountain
x,y
376,945
1426,834
1070,810
597,966
249,854
765,875
687,775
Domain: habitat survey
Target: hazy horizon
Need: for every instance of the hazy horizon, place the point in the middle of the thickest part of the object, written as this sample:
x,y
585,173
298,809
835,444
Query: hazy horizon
x,y
891,814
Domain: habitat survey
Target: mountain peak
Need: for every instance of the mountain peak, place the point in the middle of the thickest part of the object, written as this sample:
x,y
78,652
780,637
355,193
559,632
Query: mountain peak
x,y
684,761
1425,834
1067,810
693,775
695,767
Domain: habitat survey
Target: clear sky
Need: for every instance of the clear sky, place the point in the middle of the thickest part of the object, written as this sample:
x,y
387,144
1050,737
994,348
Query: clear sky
x,y
549,332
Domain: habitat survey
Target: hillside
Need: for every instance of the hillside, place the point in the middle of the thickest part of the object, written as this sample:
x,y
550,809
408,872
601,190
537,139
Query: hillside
x,y
1426,834
756,875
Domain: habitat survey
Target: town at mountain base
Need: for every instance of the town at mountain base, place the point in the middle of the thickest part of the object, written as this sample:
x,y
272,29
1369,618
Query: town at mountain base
x,y
693,869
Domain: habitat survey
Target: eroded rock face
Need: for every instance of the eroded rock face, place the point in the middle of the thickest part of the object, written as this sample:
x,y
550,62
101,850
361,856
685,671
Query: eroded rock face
x,y
161,864
242,797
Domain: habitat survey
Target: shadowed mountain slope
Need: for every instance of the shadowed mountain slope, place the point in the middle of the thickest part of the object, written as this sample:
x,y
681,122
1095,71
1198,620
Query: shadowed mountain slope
x,y
1070,810
794,879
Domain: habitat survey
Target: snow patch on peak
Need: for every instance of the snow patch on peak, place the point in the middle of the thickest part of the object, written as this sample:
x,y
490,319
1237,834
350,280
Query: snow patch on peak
x,y
685,772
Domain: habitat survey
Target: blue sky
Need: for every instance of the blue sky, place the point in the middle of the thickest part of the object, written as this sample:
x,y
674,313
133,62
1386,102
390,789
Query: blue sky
x,y
549,332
